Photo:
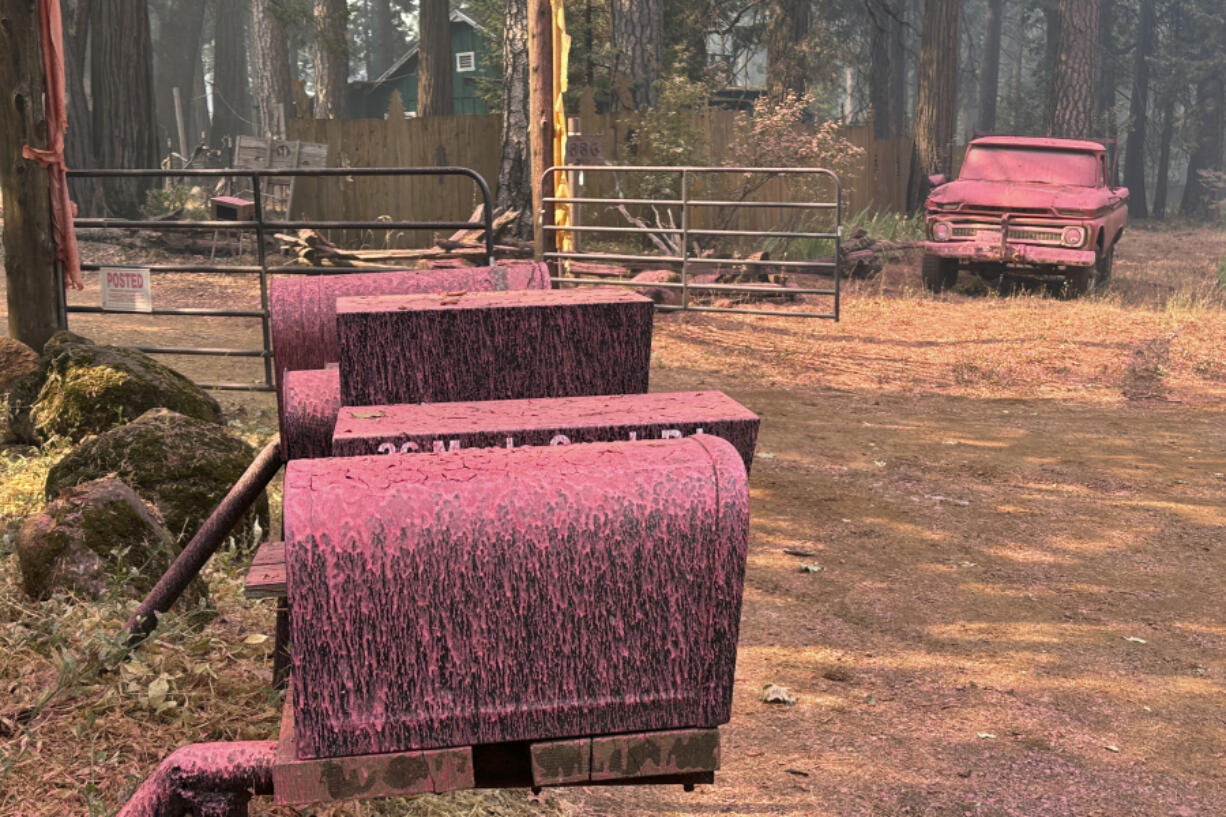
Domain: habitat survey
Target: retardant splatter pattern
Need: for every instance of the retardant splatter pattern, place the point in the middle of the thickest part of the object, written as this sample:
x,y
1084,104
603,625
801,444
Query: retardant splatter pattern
x,y
493,346
302,309
312,397
493,595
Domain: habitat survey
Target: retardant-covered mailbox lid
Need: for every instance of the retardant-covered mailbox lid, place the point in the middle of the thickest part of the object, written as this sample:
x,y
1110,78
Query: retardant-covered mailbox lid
x,y
493,595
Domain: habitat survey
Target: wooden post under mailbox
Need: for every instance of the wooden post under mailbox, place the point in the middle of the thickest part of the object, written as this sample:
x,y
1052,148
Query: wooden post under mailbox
x,y
33,291
540,116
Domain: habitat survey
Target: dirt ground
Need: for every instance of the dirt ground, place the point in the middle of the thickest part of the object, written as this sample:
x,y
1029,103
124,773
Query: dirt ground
x,y
1012,510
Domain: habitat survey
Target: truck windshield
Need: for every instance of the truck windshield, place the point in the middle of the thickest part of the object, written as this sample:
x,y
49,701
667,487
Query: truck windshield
x,y
991,163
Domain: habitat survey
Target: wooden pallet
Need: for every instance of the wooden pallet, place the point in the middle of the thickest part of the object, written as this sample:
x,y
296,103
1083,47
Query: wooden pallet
x,y
685,757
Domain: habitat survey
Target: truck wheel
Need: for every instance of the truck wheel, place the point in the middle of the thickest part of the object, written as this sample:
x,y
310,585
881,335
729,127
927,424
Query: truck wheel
x,y
1081,280
939,274
1105,262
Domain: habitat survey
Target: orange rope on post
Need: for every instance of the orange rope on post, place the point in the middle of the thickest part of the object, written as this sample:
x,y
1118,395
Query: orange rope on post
x,y
52,158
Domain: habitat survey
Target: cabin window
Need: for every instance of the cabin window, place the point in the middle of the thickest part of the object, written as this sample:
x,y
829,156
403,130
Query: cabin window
x,y
465,61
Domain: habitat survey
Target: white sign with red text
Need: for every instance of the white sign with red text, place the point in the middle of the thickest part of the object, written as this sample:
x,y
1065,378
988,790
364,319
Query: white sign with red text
x,y
126,289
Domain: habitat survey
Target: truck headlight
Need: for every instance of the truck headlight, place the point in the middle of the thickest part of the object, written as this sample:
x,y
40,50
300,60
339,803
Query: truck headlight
x,y
941,231
1074,236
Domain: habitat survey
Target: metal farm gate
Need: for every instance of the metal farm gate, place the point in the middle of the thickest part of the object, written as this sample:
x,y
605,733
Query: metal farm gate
x,y
699,194
260,224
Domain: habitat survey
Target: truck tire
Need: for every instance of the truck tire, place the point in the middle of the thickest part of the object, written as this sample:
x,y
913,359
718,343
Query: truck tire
x,y
1106,261
1081,280
939,274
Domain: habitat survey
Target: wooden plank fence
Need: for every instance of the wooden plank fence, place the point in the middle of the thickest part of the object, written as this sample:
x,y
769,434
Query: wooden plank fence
x,y
879,182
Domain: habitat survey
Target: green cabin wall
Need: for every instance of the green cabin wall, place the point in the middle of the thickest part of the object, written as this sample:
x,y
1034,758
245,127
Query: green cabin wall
x,y
465,98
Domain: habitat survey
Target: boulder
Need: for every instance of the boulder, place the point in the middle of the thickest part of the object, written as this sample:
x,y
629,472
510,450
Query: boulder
x,y
15,423
88,388
98,528
661,295
184,466
16,361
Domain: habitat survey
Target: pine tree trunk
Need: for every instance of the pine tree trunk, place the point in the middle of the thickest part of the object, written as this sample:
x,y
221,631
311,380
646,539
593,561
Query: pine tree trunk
x,y
1108,72
515,170
887,70
937,97
25,187
1051,55
124,119
270,68
787,58
1208,118
79,141
1076,69
331,58
989,80
176,58
385,38
638,32
1134,151
1162,175
434,97
232,111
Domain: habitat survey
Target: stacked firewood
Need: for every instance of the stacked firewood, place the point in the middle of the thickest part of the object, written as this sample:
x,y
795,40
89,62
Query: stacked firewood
x,y
310,249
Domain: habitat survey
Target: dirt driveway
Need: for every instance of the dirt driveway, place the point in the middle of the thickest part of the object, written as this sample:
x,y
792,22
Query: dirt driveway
x,y
1013,513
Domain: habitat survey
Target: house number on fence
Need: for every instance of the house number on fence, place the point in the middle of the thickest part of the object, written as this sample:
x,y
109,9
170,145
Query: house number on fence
x,y
439,446
583,150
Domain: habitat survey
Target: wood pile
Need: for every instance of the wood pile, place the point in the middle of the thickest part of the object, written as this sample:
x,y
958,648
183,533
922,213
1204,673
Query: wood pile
x,y
310,249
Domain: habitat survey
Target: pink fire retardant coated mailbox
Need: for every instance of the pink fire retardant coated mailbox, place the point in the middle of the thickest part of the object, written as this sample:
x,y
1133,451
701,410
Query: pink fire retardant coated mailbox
x,y
302,309
435,427
493,345
491,595
311,398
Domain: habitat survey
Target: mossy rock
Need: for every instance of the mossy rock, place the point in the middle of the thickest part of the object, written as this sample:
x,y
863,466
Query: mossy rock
x,y
184,466
88,388
16,361
98,528
15,423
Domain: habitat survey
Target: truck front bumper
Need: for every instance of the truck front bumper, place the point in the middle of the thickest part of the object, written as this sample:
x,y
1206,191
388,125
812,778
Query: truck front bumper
x,y
994,252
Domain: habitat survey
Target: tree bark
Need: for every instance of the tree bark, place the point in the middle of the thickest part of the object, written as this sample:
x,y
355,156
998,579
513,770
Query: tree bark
x,y
787,55
1108,73
270,68
936,100
1162,175
1207,69
540,109
331,58
1209,112
232,112
886,72
121,78
79,141
29,248
434,96
1076,69
638,31
176,60
1134,150
1051,54
515,170
385,37
989,80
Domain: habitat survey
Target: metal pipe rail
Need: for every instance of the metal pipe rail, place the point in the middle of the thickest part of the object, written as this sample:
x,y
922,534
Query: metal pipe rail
x,y
260,225
686,230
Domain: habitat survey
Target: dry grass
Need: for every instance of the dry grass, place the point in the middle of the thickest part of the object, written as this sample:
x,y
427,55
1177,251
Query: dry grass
x,y
1074,428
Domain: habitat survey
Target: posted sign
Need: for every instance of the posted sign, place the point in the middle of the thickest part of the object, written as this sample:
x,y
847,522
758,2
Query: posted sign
x,y
126,289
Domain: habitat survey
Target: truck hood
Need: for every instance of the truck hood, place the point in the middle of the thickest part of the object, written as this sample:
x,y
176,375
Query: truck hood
x,y
1019,196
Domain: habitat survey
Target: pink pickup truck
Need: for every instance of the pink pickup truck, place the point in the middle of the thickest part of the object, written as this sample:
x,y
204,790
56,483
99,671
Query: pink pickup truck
x,y
1028,206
